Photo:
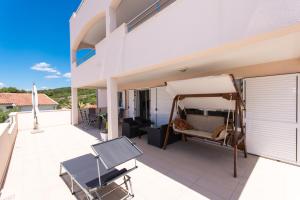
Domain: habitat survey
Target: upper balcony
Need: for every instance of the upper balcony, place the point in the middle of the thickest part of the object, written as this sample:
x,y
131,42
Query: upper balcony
x,y
87,69
167,35
87,24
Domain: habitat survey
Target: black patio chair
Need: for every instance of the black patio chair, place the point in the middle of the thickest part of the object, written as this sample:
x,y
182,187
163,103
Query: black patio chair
x,y
130,128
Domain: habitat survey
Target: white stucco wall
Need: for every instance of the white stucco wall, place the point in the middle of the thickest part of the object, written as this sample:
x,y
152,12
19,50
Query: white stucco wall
x,y
189,26
29,108
102,98
3,107
46,119
41,107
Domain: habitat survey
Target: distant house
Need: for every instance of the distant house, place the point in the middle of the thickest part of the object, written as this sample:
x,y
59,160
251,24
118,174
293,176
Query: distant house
x,y
23,101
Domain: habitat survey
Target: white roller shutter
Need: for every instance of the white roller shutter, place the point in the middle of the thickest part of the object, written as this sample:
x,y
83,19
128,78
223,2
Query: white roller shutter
x,y
271,116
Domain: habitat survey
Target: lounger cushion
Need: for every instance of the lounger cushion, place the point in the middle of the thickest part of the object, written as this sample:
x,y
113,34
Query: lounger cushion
x,y
105,178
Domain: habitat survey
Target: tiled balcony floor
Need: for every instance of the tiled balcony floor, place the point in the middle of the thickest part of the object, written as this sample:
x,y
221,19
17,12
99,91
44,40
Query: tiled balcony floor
x,y
186,170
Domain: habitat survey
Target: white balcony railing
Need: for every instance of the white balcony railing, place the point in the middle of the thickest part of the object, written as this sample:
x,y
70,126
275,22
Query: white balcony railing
x,y
148,13
8,134
86,57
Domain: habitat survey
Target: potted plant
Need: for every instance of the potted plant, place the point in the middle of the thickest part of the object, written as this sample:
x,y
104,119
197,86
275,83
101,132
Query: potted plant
x,y
103,126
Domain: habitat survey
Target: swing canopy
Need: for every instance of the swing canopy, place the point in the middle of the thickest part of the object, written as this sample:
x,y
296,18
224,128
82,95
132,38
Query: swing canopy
x,y
217,91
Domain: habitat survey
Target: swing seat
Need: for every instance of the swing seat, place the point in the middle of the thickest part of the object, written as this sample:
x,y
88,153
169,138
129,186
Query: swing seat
x,y
194,132
203,126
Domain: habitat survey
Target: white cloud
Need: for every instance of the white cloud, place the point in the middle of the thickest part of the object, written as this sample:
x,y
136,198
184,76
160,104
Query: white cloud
x,y
44,88
67,75
44,67
1,85
52,76
53,73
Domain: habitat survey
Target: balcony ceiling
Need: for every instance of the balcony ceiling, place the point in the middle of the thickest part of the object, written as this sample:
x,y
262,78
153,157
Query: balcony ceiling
x,y
253,51
94,35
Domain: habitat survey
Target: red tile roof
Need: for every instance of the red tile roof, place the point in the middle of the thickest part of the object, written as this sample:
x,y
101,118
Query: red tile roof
x,y
24,99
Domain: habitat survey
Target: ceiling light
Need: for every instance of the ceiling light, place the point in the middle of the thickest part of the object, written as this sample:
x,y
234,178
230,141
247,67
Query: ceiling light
x,y
184,69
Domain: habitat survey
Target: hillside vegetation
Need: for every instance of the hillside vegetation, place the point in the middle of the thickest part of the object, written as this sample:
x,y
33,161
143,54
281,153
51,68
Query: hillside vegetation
x,y
62,95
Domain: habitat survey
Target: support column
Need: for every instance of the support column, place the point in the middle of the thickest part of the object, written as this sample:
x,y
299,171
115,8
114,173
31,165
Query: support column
x,y
74,113
112,108
111,20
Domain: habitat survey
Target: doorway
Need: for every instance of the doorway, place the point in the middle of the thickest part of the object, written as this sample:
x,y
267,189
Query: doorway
x,y
142,104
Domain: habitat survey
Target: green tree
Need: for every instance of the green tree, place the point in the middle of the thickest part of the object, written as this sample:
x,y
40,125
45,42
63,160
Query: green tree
x,y
5,114
11,90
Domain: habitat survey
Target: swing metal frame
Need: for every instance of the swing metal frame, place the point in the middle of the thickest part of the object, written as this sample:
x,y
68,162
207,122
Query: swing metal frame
x,y
238,134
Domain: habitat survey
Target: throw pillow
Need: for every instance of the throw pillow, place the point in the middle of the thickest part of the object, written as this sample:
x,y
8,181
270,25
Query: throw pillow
x,y
217,131
182,124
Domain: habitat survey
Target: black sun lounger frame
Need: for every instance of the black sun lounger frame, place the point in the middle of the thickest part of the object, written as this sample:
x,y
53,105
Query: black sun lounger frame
x,y
91,172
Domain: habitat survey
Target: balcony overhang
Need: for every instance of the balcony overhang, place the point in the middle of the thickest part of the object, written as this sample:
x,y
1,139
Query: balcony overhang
x,y
273,47
85,22
90,34
94,34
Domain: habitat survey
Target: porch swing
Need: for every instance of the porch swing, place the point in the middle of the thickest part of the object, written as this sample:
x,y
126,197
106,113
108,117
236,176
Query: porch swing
x,y
216,93
222,134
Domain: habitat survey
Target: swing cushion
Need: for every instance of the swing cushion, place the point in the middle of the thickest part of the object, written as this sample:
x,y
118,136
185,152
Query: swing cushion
x,y
182,124
193,132
217,131
203,126
205,123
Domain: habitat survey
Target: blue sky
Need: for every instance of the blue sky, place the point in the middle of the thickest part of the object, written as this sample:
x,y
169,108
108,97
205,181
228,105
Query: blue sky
x,y
34,42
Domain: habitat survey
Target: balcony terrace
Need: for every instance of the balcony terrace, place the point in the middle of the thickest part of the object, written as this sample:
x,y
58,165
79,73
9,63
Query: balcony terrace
x,y
152,40
186,170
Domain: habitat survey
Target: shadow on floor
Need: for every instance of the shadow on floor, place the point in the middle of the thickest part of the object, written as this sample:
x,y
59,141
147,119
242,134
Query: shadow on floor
x,y
117,194
204,168
95,132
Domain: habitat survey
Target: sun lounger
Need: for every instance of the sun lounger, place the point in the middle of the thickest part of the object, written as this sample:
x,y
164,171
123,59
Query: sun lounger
x,y
91,173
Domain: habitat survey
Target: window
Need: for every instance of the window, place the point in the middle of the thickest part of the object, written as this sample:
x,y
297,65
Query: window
x,y
9,107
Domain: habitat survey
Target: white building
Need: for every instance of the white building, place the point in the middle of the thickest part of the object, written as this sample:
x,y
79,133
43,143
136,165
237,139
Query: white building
x,y
138,45
23,101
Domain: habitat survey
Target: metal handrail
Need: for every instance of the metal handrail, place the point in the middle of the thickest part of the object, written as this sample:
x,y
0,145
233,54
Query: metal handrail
x,y
86,57
151,6
157,6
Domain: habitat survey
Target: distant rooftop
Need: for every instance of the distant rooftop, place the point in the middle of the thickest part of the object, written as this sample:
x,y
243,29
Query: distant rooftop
x,y
24,99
